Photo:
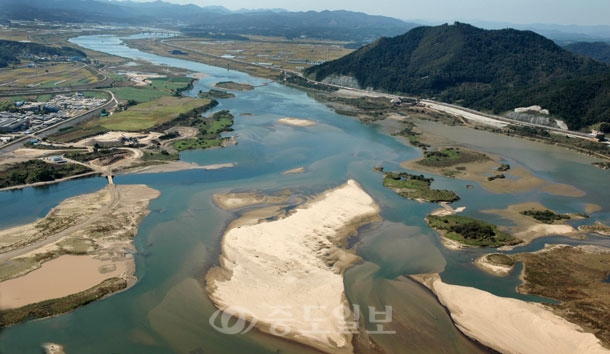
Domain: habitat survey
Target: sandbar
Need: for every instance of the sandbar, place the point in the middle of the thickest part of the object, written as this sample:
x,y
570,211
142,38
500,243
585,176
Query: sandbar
x,y
527,228
294,171
510,325
232,201
297,122
518,179
294,265
179,166
486,265
60,277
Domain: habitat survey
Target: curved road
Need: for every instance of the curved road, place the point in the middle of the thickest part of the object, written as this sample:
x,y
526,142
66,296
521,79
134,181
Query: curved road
x,y
114,200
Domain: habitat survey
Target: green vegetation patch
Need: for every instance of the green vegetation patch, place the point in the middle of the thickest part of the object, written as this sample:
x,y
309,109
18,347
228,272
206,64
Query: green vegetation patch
x,y
162,155
147,115
471,231
209,128
451,157
417,187
545,216
77,132
230,85
33,171
215,94
62,305
413,136
158,87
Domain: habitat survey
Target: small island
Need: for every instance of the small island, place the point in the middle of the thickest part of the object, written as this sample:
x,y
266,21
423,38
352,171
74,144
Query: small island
x,y
416,187
230,85
215,94
470,232
497,264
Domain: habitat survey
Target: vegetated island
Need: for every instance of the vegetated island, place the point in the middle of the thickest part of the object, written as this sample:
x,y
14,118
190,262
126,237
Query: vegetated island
x,y
295,261
469,232
509,325
533,220
235,86
497,264
81,251
215,94
579,277
490,173
416,187
38,171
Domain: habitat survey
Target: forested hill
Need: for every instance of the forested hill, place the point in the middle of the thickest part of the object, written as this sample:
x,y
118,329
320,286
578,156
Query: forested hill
x,y
487,70
11,52
595,50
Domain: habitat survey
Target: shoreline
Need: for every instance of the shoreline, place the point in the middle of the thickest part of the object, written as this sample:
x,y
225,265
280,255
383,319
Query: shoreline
x,y
509,325
88,242
302,270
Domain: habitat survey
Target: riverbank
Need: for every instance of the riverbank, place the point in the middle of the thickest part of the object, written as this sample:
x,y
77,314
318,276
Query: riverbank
x,y
81,248
297,262
510,325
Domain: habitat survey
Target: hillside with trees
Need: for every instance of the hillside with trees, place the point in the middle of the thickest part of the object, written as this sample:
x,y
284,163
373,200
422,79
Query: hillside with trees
x,y
596,50
12,52
488,70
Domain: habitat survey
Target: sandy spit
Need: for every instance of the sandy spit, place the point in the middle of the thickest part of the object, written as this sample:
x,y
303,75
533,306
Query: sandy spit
x,y
294,264
297,122
178,166
510,325
500,270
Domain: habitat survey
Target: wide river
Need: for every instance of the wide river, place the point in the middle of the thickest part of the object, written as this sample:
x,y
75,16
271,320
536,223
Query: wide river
x,y
167,311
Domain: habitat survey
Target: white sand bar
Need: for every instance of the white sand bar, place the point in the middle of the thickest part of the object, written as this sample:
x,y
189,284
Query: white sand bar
x,y
510,325
297,122
289,271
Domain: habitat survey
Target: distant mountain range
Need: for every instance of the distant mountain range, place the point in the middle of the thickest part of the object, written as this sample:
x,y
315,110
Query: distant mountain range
x,y
492,70
596,50
338,25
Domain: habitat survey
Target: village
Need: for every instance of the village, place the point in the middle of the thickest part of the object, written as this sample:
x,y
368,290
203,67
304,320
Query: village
x,y
28,117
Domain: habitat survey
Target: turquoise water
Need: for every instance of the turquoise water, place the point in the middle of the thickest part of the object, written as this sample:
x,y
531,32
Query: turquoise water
x,y
167,310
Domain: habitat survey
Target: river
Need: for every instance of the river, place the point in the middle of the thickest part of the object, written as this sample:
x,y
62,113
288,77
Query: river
x,y
167,311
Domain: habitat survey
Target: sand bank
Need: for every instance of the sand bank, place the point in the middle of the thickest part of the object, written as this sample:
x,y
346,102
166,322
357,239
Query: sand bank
x,y
232,201
487,265
447,210
297,122
295,264
518,179
510,325
294,171
61,277
527,228
52,348
99,227
179,166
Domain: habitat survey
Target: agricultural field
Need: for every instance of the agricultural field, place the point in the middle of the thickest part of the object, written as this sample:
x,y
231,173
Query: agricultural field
x,y
147,115
157,88
294,55
46,76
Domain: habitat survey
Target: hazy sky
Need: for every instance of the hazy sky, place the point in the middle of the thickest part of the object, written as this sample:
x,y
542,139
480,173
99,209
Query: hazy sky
x,y
564,12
